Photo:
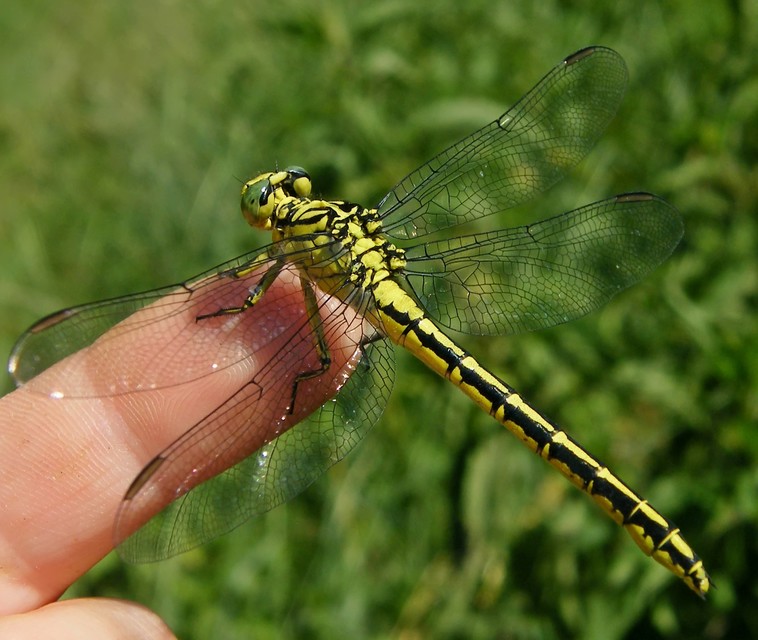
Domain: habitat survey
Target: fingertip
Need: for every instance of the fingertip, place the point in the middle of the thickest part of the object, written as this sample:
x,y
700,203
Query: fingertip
x,y
85,619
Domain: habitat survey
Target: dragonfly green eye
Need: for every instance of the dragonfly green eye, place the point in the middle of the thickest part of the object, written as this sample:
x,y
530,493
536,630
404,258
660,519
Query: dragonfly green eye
x,y
258,202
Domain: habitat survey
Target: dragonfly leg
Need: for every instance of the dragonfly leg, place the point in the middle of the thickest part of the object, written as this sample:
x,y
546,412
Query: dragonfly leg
x,y
322,349
255,294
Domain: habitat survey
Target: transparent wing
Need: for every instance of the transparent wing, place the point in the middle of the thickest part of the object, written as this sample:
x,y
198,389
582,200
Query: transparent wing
x,y
261,439
543,274
171,312
282,463
522,153
262,433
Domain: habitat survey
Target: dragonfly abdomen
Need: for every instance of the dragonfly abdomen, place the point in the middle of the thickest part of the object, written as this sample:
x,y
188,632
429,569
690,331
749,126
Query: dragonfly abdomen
x,y
651,531
406,324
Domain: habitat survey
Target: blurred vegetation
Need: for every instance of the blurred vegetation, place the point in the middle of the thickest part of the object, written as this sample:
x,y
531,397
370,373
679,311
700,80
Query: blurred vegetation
x,y
125,130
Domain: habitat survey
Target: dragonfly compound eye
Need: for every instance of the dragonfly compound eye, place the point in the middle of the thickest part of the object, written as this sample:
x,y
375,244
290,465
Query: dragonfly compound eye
x,y
258,202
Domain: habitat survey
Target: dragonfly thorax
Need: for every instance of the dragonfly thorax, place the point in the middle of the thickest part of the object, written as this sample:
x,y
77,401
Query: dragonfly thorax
x,y
336,243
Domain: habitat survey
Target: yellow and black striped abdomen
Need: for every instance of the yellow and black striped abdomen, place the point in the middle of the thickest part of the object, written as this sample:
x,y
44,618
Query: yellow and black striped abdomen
x,y
407,325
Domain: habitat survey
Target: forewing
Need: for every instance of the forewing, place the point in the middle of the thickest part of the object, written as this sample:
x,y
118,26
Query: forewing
x,y
543,274
181,349
522,153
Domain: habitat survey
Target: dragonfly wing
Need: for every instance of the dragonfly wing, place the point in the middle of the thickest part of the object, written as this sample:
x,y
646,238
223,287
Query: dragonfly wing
x,y
181,348
543,274
282,463
522,153
63,333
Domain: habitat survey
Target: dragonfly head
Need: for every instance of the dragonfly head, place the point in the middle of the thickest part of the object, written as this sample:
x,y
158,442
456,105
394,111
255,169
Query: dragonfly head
x,y
263,194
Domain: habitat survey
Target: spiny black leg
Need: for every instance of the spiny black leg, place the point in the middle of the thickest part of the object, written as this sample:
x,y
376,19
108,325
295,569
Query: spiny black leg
x,y
255,294
314,319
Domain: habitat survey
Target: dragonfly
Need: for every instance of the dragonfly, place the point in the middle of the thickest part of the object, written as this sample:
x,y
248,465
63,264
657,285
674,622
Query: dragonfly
x,y
365,280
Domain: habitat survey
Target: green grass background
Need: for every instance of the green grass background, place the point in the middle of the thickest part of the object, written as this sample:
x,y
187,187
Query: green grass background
x,y
125,130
